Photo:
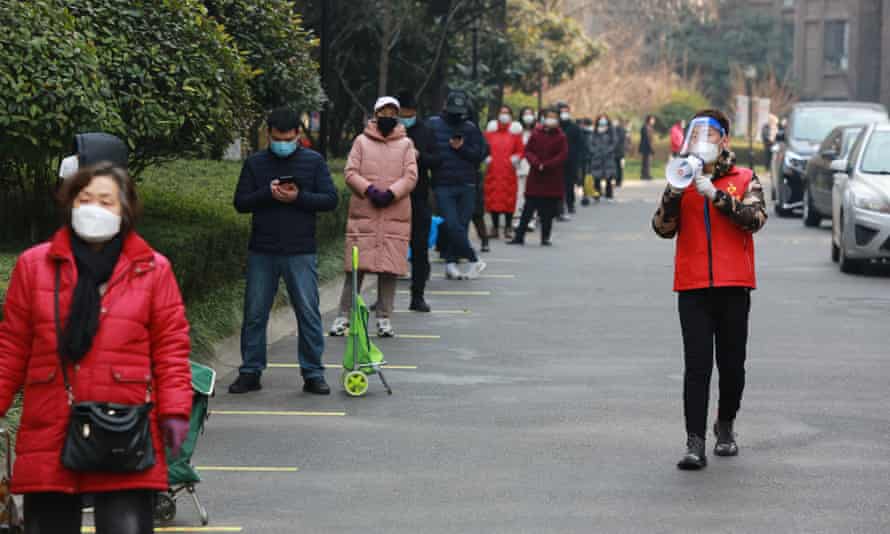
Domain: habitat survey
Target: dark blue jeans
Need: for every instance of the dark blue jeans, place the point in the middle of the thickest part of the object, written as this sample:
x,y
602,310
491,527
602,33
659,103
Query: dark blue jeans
x,y
456,204
301,279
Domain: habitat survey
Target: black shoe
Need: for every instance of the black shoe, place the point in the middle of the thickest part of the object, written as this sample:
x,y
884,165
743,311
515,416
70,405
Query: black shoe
x,y
546,243
585,201
317,386
516,241
245,383
418,304
695,457
726,445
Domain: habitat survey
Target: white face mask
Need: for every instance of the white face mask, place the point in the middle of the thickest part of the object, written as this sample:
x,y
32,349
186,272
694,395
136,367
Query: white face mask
x,y
68,167
550,122
505,118
528,119
94,224
602,129
565,115
708,152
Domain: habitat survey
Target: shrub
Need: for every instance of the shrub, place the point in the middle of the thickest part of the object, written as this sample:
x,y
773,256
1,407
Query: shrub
x,y
682,105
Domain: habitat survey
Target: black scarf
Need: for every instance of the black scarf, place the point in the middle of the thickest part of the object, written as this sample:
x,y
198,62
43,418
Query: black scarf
x,y
94,268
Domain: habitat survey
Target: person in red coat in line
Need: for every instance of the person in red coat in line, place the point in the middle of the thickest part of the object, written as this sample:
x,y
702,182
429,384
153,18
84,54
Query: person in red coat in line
x,y
501,182
124,336
546,153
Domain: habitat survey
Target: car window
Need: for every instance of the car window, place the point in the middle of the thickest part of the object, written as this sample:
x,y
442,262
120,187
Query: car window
x,y
850,135
832,142
876,156
813,124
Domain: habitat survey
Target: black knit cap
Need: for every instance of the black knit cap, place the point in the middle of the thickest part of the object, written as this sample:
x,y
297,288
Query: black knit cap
x,y
407,100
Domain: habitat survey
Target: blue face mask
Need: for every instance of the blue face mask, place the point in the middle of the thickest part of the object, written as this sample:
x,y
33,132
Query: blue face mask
x,y
408,122
283,149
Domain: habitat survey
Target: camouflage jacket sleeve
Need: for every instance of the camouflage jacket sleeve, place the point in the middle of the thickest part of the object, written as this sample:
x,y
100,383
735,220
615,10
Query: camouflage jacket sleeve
x,y
749,213
666,221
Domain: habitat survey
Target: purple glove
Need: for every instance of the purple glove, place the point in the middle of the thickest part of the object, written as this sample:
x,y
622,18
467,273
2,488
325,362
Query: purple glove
x,y
380,199
175,430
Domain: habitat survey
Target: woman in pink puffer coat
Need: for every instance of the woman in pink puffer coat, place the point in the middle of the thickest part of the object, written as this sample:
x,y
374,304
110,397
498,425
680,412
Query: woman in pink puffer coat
x,y
381,172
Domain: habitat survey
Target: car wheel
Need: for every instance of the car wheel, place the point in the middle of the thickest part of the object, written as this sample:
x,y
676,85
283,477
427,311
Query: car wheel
x,y
811,217
847,265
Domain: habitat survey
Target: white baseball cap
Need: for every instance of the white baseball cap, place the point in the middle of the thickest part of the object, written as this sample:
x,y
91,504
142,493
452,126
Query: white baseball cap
x,y
384,101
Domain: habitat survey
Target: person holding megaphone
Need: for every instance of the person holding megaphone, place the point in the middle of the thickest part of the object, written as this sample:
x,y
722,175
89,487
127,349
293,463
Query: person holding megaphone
x,y
713,208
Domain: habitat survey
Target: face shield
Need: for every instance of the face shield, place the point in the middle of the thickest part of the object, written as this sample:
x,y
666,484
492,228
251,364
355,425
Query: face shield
x,y
703,139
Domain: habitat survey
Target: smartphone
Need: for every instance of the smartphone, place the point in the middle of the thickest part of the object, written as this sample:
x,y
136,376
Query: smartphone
x,y
287,180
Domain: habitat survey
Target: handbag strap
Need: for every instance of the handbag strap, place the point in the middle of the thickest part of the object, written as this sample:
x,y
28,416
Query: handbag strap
x,y
58,321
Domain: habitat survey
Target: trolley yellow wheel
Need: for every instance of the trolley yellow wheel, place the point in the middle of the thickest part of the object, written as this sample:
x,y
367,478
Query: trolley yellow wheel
x,y
355,383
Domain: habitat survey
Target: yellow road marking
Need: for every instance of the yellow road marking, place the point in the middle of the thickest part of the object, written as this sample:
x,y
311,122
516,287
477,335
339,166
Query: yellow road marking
x,y
452,293
404,336
441,312
488,276
88,530
277,413
244,469
339,366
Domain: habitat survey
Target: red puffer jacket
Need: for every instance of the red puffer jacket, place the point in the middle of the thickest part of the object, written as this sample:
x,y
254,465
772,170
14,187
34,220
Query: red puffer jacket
x,y
501,182
142,341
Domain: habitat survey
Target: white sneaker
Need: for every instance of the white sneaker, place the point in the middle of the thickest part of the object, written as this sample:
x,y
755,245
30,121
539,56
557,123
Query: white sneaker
x,y
452,272
340,327
384,328
475,270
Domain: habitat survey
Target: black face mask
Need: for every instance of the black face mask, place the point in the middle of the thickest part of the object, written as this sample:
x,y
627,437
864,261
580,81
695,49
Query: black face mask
x,y
386,125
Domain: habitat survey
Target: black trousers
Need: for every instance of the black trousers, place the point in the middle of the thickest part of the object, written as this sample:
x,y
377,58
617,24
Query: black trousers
x,y
421,220
713,317
571,178
646,171
117,512
610,186
547,209
619,177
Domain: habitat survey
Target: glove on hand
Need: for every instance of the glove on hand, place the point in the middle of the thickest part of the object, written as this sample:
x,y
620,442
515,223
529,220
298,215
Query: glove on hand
x,y
380,199
175,430
705,187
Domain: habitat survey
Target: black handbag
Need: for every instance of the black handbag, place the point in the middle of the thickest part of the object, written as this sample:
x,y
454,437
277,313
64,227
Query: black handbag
x,y
105,437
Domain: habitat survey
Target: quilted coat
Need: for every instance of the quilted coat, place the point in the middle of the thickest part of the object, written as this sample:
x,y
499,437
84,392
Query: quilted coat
x,y
501,183
141,347
381,234
547,148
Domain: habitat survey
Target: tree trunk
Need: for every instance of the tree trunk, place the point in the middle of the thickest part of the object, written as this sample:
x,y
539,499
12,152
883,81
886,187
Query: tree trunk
x,y
386,35
499,17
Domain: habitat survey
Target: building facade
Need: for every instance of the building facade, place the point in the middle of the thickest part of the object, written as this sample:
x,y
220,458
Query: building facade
x,y
842,50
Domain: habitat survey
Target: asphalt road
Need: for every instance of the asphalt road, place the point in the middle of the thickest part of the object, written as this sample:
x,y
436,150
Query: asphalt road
x,y
551,402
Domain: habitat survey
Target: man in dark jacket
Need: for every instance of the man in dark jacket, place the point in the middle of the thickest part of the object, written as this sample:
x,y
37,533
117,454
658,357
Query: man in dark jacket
x,y
461,149
283,188
647,147
575,140
621,137
421,211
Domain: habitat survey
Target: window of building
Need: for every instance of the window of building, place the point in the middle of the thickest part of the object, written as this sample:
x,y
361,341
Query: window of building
x,y
837,39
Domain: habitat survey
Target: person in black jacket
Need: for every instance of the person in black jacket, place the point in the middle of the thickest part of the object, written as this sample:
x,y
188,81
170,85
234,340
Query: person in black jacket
x,y
647,146
283,188
576,145
621,137
421,211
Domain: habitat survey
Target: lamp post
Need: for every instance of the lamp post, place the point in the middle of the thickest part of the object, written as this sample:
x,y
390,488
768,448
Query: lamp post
x,y
750,76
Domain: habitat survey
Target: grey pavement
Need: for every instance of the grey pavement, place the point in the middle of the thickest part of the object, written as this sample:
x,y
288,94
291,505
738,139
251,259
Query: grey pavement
x,y
553,404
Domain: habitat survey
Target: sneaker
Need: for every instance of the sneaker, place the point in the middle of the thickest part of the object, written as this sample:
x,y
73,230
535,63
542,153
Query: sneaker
x,y
452,272
245,383
585,201
695,458
384,328
485,248
340,327
516,241
418,303
475,270
546,243
532,225
564,218
316,386
726,445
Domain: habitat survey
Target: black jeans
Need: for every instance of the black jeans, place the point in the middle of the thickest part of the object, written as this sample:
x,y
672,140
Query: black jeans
x,y
619,176
571,177
708,317
646,170
116,512
421,220
547,209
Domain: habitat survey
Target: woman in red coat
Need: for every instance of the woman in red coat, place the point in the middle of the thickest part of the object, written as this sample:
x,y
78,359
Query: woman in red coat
x,y
123,338
546,153
501,183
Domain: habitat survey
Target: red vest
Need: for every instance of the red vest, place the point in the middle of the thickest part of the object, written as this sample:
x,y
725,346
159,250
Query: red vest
x,y
712,251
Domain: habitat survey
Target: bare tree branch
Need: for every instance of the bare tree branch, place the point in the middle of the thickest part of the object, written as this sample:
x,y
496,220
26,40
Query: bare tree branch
x,y
441,46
